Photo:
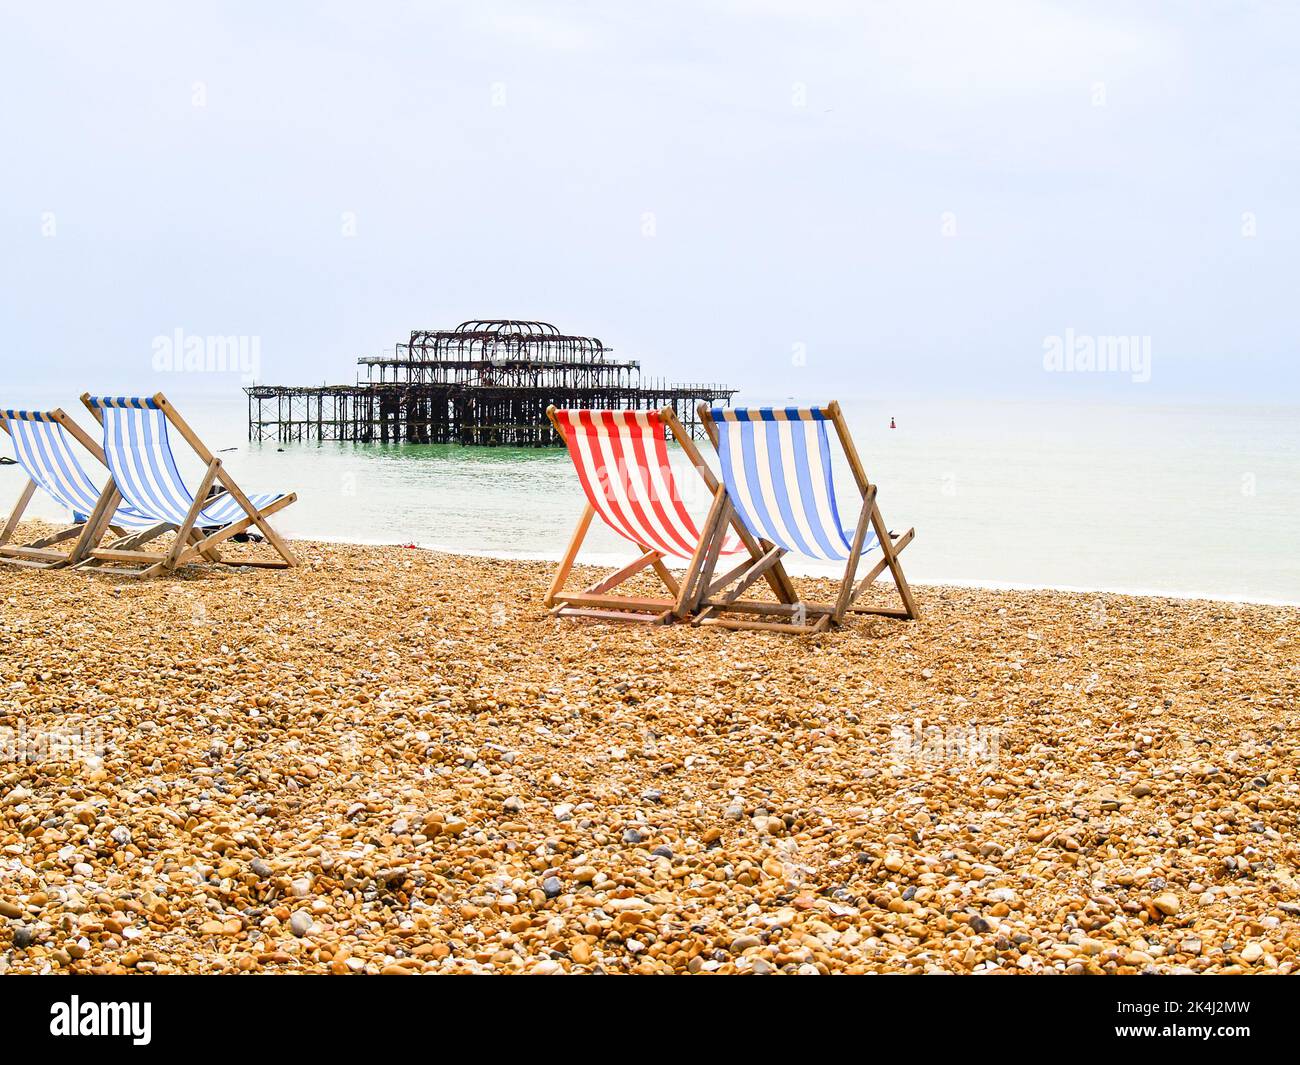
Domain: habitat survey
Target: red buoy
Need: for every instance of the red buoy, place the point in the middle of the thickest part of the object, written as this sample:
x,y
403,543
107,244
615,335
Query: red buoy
x,y
891,424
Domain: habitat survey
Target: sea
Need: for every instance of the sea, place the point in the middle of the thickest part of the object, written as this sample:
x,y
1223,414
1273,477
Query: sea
x,y
1192,501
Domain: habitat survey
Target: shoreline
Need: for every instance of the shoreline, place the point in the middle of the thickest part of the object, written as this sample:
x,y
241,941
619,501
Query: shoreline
x,y
796,570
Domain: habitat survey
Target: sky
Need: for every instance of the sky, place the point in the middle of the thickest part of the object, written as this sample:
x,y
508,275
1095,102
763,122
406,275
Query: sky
x,y
810,197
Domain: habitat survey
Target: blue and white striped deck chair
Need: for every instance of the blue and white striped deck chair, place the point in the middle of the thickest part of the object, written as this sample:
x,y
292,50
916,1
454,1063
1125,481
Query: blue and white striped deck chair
x,y
138,452
776,466
42,442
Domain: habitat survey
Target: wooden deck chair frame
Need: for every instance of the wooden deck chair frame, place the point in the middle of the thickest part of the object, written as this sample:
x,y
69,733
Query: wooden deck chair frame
x,y
724,595
597,601
43,553
191,543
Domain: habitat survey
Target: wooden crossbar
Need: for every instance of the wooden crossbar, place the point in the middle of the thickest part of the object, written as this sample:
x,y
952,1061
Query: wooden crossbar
x,y
109,554
616,602
11,550
619,576
820,625
662,618
787,413
755,571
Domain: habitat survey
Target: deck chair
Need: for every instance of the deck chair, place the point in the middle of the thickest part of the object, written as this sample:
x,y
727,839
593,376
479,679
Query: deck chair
x,y
138,452
42,443
776,467
621,458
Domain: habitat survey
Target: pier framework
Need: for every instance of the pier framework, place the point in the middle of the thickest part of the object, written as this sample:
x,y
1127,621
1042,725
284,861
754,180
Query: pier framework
x,y
485,382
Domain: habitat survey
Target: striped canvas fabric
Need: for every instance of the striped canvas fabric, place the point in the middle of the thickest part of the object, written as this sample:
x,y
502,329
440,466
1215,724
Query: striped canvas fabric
x,y
43,448
622,461
139,454
776,464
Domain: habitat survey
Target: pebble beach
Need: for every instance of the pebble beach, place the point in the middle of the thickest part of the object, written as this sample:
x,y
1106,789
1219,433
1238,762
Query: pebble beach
x,y
396,761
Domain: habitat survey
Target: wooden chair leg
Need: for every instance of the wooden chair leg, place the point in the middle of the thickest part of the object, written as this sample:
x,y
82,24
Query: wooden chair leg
x,y
689,596
97,524
16,514
566,563
666,576
855,553
866,582
877,522
273,538
710,564
187,526
890,558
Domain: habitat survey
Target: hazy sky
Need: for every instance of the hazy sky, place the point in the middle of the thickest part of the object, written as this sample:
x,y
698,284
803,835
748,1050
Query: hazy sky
x,y
803,196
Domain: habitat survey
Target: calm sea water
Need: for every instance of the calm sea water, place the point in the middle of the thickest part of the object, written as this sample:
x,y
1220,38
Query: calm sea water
x,y
1191,500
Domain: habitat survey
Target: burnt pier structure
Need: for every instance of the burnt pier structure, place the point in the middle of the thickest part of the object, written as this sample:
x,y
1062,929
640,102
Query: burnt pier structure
x,y
485,382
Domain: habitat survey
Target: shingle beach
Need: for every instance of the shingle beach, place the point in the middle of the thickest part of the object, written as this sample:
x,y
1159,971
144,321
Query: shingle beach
x,y
390,760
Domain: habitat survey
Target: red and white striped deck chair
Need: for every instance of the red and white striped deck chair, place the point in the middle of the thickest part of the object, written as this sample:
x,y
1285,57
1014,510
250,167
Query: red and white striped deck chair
x,y
621,458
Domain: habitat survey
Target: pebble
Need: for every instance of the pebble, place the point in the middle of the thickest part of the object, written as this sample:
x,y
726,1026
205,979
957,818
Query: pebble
x,y
552,887
1167,904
